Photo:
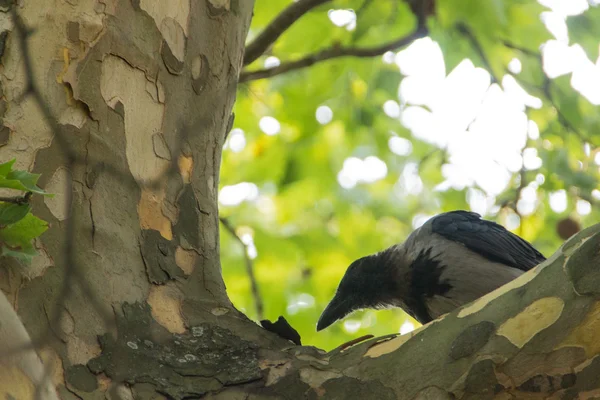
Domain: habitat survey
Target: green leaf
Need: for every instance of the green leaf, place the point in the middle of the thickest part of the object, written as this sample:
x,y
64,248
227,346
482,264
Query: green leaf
x,y
22,232
11,213
24,254
19,180
27,180
6,167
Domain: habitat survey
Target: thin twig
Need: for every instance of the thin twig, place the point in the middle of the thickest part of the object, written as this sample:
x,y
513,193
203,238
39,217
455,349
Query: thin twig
x,y
354,342
277,27
350,343
562,119
512,203
17,199
466,31
249,268
330,53
523,50
545,90
430,155
363,7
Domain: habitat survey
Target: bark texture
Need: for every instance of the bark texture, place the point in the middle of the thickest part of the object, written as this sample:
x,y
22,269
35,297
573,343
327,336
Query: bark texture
x,y
143,87
138,87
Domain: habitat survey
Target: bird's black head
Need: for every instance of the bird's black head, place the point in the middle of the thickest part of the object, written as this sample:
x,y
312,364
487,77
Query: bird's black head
x,y
369,282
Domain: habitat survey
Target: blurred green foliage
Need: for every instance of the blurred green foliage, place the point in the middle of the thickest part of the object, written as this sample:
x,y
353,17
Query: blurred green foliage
x,y
306,228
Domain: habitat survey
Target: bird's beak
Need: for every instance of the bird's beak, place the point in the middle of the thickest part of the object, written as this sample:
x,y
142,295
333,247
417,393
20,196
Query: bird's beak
x,y
336,309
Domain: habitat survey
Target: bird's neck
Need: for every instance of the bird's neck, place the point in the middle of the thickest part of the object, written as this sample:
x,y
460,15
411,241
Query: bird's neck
x,y
393,264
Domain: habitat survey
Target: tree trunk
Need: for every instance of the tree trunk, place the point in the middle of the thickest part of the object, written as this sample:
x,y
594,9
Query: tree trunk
x,y
143,91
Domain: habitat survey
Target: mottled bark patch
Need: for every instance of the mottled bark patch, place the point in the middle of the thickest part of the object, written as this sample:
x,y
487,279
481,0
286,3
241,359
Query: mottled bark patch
x,y
288,387
481,378
536,317
471,339
80,377
173,65
200,73
548,384
524,366
350,388
434,393
585,334
159,257
189,220
180,366
583,268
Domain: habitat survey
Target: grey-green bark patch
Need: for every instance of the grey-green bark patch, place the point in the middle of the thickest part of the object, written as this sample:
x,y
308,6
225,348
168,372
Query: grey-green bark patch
x,y
3,37
179,366
4,135
173,65
583,267
200,76
585,380
80,377
589,377
235,6
572,244
73,31
145,391
229,125
120,109
93,174
189,221
161,149
217,8
5,5
351,388
481,378
434,393
158,254
288,387
66,394
548,384
520,366
471,339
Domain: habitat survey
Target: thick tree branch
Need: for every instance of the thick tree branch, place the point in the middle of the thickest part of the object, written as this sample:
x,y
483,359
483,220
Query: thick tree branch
x,y
276,28
249,268
333,52
532,338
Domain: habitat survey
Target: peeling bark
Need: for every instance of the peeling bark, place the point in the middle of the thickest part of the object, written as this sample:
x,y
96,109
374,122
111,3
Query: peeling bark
x,y
139,87
147,87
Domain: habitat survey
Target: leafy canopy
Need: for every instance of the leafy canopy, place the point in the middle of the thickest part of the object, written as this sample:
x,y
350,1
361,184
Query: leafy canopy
x,y
331,162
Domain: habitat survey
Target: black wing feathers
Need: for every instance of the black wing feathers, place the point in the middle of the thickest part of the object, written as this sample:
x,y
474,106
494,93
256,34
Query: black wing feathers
x,y
487,238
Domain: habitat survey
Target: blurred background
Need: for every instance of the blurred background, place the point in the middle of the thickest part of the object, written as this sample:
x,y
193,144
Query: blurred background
x,y
495,110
